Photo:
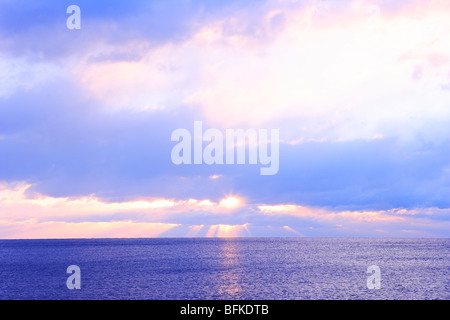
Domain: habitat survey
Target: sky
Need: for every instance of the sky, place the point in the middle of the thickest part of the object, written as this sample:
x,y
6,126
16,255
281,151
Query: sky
x,y
358,90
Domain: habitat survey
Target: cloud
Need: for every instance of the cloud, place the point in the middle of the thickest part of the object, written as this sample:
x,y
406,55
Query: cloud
x,y
63,144
32,229
25,204
39,216
321,214
376,174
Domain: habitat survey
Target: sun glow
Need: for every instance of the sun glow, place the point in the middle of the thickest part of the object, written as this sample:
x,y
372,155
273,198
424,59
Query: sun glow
x,y
231,202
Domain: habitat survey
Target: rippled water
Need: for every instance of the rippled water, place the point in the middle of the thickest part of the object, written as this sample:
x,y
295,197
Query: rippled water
x,y
272,268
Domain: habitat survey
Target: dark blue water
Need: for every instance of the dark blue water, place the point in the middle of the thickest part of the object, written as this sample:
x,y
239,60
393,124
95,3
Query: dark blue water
x,y
304,268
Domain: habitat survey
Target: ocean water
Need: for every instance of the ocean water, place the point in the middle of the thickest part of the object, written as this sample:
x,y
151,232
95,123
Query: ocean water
x,y
236,269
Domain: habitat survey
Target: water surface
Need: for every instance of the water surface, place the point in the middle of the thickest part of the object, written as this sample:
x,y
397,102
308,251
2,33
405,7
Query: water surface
x,y
248,268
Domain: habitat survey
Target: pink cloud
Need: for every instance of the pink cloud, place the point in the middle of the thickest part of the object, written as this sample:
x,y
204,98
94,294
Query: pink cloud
x,y
33,229
40,216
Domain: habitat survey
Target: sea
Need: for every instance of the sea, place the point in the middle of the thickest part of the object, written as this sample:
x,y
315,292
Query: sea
x,y
225,269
